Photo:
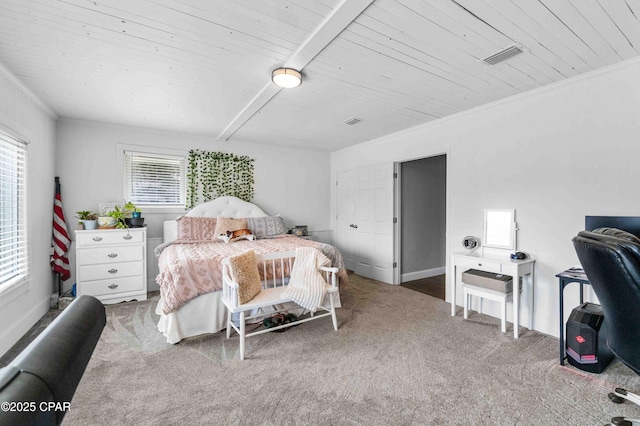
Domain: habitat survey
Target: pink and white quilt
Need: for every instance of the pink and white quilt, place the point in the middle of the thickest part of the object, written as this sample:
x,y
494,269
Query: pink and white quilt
x,y
190,269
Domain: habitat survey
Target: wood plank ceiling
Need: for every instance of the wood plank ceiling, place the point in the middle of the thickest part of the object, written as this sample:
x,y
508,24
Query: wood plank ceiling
x,y
195,65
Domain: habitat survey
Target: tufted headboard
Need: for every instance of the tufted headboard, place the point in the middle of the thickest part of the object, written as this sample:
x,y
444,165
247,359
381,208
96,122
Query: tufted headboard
x,y
226,206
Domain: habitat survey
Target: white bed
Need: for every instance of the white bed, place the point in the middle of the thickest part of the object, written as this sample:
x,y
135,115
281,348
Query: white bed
x,y
205,313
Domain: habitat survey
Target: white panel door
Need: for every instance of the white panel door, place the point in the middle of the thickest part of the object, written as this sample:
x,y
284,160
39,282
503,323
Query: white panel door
x,y
373,224
345,213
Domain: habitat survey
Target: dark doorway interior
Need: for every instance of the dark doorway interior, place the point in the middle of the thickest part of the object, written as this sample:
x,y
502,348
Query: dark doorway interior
x,y
423,224
433,286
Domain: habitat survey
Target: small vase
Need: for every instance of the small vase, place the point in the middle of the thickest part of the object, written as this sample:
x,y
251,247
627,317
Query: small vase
x,y
135,214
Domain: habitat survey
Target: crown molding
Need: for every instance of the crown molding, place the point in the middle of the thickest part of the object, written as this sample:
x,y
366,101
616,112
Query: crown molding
x,y
28,92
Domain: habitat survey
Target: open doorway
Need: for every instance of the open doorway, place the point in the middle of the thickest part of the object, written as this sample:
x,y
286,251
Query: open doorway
x,y
422,230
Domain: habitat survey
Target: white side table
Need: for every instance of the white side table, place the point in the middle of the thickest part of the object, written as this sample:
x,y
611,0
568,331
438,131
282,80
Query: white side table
x,y
516,268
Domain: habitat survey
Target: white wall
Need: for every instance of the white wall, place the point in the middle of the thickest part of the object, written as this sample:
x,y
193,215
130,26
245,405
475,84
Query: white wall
x,y
24,116
555,155
290,182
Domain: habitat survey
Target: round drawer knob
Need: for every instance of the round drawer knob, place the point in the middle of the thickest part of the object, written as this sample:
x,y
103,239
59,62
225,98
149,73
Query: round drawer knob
x,y
112,271
113,286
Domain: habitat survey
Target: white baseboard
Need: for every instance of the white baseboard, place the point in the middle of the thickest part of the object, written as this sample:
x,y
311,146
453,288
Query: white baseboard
x,y
426,273
20,327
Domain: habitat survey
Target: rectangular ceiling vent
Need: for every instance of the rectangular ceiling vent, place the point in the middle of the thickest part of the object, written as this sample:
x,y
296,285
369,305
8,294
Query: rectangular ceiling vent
x,y
351,121
503,55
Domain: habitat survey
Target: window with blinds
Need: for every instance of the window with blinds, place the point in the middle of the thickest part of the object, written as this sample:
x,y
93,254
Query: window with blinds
x,y
154,179
14,256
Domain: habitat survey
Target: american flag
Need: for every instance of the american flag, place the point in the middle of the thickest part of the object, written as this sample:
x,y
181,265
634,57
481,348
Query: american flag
x,y
61,241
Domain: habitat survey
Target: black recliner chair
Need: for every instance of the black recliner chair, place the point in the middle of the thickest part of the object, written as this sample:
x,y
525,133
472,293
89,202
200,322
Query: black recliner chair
x,y
611,259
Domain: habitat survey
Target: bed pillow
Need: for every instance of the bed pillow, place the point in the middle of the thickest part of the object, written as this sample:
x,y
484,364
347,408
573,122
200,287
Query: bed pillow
x,y
224,224
193,228
244,270
266,226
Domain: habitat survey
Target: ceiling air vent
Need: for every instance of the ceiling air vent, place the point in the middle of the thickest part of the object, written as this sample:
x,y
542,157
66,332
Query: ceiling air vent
x,y
351,121
503,55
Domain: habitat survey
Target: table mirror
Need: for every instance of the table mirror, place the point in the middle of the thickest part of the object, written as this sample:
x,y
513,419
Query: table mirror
x,y
499,228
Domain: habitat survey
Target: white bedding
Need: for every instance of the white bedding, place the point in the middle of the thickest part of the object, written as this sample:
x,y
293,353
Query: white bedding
x,y
203,315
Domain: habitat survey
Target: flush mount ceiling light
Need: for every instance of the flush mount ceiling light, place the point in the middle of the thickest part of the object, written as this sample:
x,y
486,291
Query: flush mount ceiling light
x,y
286,77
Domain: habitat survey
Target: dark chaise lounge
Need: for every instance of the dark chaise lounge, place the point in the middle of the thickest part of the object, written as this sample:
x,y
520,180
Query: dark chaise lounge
x,y
37,386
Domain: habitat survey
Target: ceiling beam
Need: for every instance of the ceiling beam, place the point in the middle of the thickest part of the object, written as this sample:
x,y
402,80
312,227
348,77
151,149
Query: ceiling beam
x,y
330,28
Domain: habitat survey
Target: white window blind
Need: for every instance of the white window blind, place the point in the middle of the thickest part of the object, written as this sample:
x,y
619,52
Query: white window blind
x,y
153,179
14,256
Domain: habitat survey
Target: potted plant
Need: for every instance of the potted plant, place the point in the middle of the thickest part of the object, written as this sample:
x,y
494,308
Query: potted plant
x,y
129,207
88,219
106,220
135,220
118,215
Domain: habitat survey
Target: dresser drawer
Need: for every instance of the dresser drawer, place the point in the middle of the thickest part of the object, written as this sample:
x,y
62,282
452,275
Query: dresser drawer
x,y
113,254
482,264
103,238
111,270
112,286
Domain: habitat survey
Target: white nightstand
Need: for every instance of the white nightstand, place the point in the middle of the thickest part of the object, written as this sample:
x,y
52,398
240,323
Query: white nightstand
x,y
111,264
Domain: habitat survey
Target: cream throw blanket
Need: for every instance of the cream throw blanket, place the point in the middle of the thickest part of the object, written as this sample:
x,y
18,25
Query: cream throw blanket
x,y
307,286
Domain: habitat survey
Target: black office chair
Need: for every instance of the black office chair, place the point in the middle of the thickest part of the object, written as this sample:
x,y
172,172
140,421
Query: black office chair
x,y
611,259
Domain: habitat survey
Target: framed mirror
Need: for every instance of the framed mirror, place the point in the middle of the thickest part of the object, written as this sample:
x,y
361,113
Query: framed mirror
x,y
499,228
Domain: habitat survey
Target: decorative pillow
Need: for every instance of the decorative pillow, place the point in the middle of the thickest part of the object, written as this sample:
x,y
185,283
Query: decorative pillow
x,y
192,228
244,270
266,226
226,224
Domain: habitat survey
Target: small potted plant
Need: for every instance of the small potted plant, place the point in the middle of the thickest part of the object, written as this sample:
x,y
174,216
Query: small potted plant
x,y
135,221
129,207
106,220
88,219
118,215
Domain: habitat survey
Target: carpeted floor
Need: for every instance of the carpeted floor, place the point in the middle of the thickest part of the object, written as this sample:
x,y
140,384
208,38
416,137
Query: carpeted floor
x,y
399,358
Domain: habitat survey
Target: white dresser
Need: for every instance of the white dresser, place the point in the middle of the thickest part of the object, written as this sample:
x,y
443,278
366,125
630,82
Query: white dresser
x,y
111,264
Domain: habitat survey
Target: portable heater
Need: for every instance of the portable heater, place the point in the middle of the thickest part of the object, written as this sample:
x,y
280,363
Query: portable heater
x,y
586,339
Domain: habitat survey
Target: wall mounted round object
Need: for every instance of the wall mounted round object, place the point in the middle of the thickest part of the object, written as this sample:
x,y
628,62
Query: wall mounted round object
x,y
470,243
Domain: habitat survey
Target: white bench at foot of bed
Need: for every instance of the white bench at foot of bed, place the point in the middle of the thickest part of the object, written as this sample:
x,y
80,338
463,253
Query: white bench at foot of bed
x,y
271,295
206,314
